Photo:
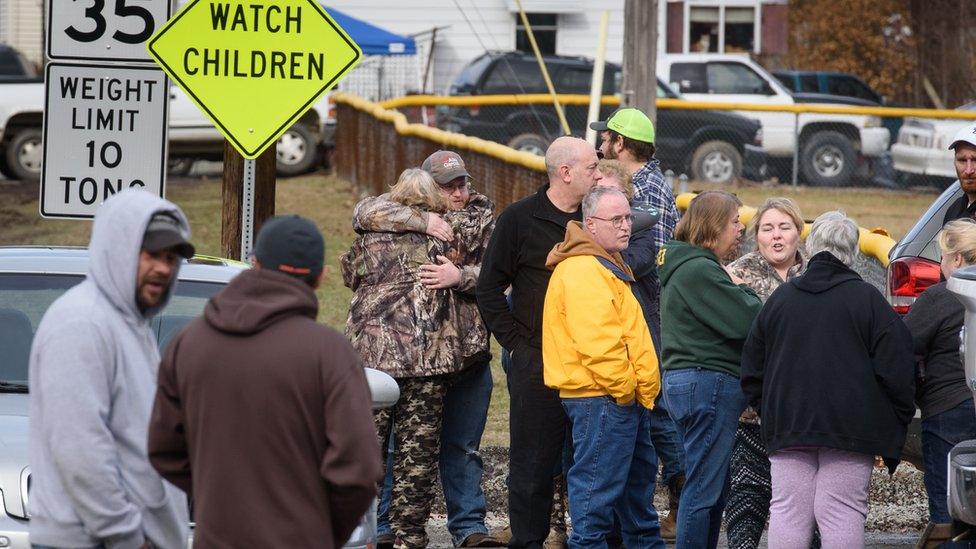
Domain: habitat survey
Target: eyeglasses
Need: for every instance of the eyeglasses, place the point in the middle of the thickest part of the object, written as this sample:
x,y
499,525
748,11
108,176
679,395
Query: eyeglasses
x,y
617,221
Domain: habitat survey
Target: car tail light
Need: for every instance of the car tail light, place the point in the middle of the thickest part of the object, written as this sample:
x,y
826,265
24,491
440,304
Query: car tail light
x,y
908,277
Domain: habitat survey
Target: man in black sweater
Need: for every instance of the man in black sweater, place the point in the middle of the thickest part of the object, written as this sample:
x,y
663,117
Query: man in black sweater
x,y
524,235
964,159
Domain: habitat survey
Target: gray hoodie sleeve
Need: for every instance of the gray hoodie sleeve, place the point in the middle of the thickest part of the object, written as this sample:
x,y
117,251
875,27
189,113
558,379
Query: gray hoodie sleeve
x,y
76,368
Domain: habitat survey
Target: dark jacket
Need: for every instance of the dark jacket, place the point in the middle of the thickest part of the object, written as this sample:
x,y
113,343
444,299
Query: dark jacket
x,y
935,320
829,363
524,235
263,415
641,257
706,316
959,209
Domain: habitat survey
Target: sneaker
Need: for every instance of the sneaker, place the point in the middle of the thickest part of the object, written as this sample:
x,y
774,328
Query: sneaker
x,y
557,540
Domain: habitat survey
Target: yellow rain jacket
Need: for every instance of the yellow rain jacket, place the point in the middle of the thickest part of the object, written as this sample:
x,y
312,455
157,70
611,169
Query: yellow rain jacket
x,y
595,341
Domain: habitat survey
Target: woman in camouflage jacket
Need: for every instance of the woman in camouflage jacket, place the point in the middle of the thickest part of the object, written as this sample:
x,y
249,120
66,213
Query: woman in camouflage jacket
x,y
420,332
779,256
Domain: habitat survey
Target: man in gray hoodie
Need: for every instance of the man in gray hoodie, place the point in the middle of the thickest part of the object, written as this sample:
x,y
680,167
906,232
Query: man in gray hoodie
x,y
93,371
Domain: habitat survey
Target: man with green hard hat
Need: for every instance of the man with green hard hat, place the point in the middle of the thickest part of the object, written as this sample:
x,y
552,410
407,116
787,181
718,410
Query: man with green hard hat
x,y
628,137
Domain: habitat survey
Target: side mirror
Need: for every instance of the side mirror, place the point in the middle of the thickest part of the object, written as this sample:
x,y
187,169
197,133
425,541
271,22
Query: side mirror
x,y
383,388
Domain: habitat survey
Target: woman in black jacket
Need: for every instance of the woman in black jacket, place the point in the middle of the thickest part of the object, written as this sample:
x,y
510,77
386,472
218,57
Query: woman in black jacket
x,y
948,414
829,368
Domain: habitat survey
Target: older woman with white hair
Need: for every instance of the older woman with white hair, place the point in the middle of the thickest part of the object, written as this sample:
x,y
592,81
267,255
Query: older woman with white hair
x,y
828,365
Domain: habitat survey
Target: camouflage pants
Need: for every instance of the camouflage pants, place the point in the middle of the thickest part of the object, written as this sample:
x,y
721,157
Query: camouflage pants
x,y
416,424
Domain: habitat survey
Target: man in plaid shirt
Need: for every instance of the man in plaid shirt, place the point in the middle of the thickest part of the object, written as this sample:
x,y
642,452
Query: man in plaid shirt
x,y
628,136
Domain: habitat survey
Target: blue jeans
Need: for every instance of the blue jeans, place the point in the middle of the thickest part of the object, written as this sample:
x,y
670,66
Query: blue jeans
x,y
705,406
613,472
939,434
667,443
461,467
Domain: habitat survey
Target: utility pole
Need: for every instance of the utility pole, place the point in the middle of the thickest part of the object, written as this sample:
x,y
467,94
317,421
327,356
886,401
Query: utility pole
x,y
236,216
640,55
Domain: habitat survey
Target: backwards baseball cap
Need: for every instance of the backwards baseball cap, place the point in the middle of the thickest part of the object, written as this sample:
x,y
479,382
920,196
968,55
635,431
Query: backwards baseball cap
x,y
628,122
163,232
291,244
444,167
965,135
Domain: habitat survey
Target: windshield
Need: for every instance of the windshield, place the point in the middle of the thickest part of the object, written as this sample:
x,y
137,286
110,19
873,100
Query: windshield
x,y
25,297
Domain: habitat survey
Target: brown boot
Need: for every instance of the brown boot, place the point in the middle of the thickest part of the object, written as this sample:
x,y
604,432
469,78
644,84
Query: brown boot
x,y
669,525
934,535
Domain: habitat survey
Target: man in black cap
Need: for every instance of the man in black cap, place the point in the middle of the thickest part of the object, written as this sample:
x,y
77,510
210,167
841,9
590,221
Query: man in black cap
x,y
262,414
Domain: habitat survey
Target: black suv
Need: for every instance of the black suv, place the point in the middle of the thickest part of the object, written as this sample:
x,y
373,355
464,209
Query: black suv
x,y
714,146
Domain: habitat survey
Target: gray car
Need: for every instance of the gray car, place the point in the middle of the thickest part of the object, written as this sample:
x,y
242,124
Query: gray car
x,y
31,278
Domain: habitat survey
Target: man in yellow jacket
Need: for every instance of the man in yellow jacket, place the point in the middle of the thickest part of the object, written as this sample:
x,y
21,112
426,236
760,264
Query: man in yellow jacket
x,y
597,351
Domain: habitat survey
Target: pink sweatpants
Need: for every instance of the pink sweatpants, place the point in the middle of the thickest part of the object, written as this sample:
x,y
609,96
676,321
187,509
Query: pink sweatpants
x,y
823,486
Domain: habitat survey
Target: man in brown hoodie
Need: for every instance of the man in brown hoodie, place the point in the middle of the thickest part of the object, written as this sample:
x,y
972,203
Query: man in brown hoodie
x,y
263,415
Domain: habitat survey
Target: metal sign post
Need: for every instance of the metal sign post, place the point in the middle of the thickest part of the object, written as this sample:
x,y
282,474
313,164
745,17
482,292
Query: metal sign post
x,y
247,208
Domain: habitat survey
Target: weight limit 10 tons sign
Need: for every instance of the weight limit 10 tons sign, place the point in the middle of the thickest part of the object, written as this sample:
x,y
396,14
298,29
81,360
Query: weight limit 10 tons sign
x,y
107,125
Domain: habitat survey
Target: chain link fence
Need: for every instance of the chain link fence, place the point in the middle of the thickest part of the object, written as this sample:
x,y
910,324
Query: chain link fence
x,y
721,143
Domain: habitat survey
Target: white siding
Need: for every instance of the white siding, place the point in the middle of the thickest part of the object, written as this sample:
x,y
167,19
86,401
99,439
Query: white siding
x,y
578,32
4,21
483,24
23,29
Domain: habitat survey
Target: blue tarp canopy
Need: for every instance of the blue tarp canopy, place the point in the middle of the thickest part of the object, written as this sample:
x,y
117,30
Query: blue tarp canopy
x,y
372,39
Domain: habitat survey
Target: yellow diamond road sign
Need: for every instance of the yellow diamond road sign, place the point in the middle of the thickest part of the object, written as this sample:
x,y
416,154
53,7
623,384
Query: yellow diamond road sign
x,y
254,67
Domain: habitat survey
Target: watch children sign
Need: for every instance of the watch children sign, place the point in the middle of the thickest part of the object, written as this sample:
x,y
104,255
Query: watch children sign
x,y
256,66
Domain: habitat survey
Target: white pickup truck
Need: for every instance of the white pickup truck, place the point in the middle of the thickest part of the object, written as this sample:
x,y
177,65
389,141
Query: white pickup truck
x,y
191,135
829,143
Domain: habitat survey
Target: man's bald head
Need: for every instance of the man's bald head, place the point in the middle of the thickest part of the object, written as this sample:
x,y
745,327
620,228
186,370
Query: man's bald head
x,y
564,151
573,169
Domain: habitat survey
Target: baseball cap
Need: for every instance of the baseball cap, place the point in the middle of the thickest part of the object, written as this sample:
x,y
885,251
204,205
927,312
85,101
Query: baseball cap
x,y
163,232
444,167
291,244
628,122
965,135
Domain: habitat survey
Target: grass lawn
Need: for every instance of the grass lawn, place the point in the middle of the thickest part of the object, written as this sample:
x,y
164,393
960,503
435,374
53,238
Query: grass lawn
x,y
329,202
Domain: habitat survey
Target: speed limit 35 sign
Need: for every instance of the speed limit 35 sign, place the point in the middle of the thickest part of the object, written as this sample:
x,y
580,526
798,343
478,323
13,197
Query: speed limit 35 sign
x,y
103,30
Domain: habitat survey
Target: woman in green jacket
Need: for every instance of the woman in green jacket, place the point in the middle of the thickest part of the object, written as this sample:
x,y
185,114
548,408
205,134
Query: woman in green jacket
x,y
706,313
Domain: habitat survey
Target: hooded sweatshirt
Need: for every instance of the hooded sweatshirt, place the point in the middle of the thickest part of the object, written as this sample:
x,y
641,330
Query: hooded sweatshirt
x,y
595,341
92,380
829,363
264,416
705,317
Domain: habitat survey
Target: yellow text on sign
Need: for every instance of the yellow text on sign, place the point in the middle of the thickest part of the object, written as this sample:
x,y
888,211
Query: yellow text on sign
x,y
256,66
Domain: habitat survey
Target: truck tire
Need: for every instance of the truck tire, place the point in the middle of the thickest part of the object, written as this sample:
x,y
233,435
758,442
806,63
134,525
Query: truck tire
x,y
179,166
827,159
4,168
24,154
297,151
717,162
530,143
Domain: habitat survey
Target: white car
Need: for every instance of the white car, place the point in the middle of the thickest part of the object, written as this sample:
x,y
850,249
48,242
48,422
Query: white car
x,y
31,278
191,134
922,148
829,143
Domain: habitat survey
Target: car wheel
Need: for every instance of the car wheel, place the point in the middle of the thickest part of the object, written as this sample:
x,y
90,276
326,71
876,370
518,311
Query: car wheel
x,y
530,143
716,162
178,166
5,168
827,159
24,154
297,151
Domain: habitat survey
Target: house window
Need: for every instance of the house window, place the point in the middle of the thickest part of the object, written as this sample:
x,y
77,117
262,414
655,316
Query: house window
x,y
543,27
721,29
703,30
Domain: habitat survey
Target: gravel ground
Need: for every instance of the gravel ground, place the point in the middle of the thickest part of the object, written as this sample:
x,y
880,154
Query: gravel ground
x,y
897,504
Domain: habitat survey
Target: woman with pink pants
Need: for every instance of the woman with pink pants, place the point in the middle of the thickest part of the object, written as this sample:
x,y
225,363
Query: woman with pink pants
x,y
829,367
